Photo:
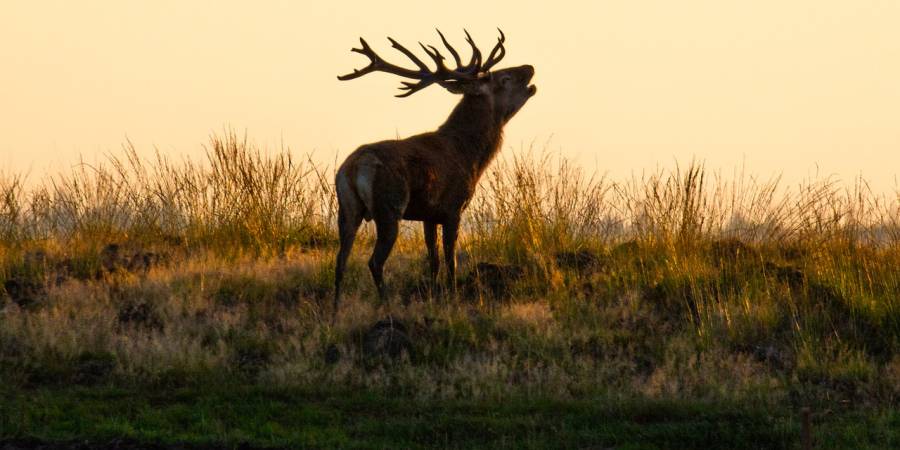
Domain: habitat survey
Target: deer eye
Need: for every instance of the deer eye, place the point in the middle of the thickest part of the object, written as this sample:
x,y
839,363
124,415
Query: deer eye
x,y
505,80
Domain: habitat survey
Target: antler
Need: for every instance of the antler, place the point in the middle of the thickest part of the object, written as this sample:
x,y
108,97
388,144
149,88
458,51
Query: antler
x,y
497,53
441,75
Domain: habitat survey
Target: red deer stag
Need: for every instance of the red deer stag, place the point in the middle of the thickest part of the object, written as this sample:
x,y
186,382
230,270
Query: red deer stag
x,y
432,176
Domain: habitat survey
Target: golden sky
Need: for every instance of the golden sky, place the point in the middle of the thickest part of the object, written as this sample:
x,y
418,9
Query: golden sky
x,y
790,87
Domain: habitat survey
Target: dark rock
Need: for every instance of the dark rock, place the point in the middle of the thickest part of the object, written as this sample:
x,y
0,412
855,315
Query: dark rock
x,y
387,340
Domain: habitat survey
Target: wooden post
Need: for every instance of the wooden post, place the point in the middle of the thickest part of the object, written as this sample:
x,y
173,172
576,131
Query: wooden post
x,y
805,429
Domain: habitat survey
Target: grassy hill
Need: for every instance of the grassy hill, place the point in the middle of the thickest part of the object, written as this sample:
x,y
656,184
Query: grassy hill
x,y
189,303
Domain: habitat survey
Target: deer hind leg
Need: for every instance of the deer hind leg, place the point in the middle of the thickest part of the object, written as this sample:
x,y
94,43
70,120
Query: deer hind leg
x,y
387,229
350,216
347,227
434,261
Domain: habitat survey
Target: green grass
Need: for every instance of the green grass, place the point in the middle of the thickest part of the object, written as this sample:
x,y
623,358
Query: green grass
x,y
260,417
244,416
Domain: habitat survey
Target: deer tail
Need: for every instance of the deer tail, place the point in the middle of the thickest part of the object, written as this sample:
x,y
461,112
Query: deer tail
x,y
365,180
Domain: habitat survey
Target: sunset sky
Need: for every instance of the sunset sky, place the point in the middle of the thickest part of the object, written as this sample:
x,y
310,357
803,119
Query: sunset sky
x,y
794,87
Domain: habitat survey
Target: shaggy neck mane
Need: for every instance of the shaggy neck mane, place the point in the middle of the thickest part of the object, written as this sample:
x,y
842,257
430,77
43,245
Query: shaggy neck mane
x,y
475,130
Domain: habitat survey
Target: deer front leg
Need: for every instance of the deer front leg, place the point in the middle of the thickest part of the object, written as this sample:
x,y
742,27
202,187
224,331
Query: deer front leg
x,y
450,229
434,261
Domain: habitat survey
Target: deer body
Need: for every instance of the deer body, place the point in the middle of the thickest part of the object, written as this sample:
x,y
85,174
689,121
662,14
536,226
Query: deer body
x,y
432,176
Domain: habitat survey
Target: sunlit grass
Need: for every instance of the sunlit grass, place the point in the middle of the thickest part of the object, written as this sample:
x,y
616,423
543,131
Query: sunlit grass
x,y
673,285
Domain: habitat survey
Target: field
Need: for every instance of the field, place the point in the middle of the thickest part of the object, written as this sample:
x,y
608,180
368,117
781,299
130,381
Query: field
x,y
188,304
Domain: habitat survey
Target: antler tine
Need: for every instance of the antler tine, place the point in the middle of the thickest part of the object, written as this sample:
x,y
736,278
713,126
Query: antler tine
x,y
365,50
422,66
435,55
475,62
450,48
378,64
441,73
442,69
499,52
412,88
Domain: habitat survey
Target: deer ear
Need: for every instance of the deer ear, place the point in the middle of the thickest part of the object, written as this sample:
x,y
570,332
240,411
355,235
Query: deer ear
x,y
477,87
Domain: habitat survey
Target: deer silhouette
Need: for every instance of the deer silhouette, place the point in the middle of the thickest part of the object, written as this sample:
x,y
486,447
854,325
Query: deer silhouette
x,y
429,177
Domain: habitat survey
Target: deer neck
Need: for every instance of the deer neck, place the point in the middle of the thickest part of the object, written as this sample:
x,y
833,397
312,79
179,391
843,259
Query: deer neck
x,y
475,131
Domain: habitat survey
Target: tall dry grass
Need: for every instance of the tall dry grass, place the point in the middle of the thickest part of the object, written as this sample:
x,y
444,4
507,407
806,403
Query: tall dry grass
x,y
548,203
672,283
238,197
